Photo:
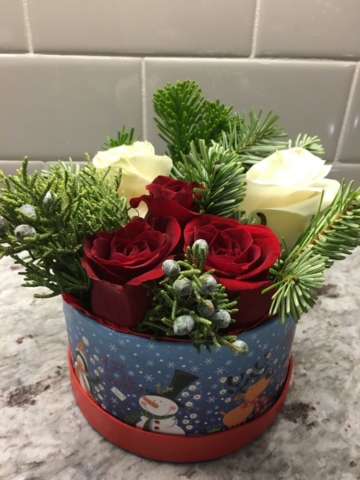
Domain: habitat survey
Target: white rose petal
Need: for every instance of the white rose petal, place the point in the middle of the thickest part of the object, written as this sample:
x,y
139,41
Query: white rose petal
x,y
139,165
286,187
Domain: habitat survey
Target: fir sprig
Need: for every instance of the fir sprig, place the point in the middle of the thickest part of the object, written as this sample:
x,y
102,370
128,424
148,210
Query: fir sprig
x,y
64,205
312,144
331,235
254,138
186,116
220,171
189,295
123,138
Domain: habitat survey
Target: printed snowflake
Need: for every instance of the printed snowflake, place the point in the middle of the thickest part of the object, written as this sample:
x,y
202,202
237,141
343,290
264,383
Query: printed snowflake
x,y
214,386
228,362
122,342
97,350
219,371
148,378
171,365
211,399
208,412
113,348
151,346
150,363
254,336
114,400
208,361
194,369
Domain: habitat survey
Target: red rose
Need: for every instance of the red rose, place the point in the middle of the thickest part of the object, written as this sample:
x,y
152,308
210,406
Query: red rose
x,y
241,256
119,262
170,197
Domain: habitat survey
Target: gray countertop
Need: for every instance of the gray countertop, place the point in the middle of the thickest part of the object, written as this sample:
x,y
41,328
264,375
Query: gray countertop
x,y
43,435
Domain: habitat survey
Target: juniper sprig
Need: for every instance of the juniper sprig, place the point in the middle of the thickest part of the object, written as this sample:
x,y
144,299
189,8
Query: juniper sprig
x,y
190,303
45,217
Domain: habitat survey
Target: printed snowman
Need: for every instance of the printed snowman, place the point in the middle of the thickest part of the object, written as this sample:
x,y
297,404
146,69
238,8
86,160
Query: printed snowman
x,y
159,407
82,370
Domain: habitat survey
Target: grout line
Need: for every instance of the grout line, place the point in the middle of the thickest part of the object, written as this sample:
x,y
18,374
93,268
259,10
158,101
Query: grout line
x,y
256,28
143,99
27,26
199,58
346,115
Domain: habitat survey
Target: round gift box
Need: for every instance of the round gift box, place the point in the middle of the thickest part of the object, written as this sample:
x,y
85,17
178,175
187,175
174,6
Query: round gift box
x,y
166,391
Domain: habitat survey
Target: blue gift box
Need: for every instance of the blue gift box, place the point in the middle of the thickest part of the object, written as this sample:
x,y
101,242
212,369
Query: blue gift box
x,y
168,387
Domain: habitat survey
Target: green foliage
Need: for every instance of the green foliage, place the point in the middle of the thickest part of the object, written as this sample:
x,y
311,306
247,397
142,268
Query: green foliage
x,y
169,305
186,116
68,206
221,173
312,144
123,138
255,139
331,235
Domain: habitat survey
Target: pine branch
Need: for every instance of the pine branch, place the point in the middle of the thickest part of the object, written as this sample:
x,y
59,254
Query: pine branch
x,y
123,138
221,173
186,116
49,215
331,235
296,282
312,144
335,232
254,139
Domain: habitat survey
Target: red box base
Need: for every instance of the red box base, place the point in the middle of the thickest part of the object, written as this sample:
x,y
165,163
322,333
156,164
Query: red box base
x,y
173,448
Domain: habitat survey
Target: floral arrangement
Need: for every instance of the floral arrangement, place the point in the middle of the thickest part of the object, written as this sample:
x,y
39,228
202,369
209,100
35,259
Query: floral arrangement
x,y
233,225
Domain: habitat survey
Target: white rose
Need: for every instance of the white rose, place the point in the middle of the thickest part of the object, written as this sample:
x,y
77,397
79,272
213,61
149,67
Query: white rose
x,y
286,187
139,165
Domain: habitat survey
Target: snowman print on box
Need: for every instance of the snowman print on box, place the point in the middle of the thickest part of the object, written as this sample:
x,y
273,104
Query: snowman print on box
x,y
159,407
82,369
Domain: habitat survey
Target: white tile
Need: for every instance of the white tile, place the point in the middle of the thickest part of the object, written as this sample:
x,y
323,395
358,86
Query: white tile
x,y
309,28
350,149
12,27
60,107
188,27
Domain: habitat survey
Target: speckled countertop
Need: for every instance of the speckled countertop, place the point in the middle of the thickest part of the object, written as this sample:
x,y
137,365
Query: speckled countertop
x,y
43,435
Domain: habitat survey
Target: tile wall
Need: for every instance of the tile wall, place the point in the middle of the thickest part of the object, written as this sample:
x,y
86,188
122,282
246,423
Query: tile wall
x,y
73,72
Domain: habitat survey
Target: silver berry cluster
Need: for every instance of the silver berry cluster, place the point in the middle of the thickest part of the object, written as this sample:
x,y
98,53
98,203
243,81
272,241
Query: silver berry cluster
x,y
198,303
